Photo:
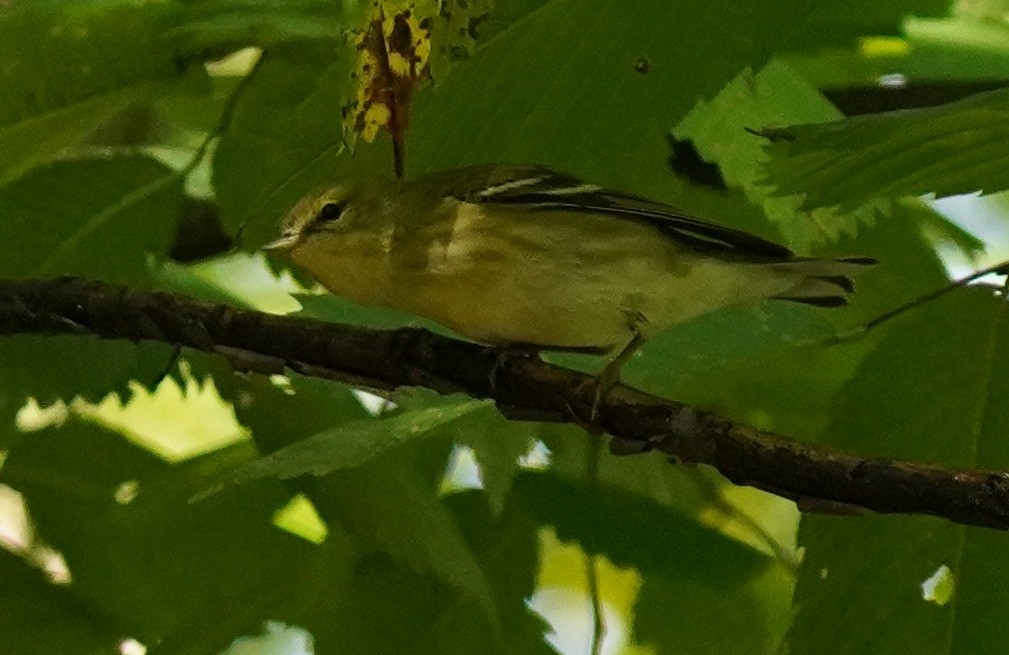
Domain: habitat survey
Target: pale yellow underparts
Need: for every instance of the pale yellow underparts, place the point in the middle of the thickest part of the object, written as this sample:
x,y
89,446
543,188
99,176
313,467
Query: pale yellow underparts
x,y
515,275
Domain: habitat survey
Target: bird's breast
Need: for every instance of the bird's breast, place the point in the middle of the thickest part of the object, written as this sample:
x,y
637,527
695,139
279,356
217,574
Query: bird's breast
x,y
519,281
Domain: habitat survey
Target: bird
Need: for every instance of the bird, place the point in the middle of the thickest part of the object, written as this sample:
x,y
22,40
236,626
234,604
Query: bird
x,y
519,256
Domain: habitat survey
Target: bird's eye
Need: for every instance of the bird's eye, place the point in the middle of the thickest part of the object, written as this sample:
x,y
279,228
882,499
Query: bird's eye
x,y
331,211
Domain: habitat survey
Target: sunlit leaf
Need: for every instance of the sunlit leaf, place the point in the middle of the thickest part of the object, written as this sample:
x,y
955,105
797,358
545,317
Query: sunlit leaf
x,y
945,150
719,129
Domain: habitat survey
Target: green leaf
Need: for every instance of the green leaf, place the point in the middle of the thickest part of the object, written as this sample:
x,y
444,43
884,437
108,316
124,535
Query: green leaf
x,y
694,497
71,66
381,497
328,307
350,445
504,14
289,123
560,87
732,377
52,367
507,543
969,30
649,476
844,24
431,617
49,368
190,112
335,309
715,339
386,504
508,102
625,528
308,87
694,577
692,618
279,415
180,279
40,618
946,150
936,58
498,445
777,95
387,609
155,564
213,26
97,217
934,390
454,31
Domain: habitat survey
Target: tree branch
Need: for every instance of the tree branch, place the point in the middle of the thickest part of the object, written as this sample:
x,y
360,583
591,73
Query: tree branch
x,y
522,386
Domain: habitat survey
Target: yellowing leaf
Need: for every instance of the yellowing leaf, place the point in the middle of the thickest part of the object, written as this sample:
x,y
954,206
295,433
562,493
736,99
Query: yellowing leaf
x,y
395,53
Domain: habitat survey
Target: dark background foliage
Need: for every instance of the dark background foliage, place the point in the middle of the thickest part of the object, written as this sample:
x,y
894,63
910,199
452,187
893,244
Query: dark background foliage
x,y
157,143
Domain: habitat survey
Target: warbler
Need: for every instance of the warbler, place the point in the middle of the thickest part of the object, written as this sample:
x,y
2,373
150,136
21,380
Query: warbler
x,y
526,256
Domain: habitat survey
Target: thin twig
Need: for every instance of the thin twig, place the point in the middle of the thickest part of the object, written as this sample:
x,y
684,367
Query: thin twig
x,y
860,331
595,452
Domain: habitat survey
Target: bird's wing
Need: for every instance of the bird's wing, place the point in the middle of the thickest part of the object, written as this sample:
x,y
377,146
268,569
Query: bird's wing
x,y
537,188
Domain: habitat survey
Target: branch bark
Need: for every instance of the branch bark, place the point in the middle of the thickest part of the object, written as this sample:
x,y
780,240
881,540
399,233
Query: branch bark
x,y
523,387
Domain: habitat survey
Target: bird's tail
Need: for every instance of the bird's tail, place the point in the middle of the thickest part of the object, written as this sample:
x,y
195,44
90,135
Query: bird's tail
x,y
823,282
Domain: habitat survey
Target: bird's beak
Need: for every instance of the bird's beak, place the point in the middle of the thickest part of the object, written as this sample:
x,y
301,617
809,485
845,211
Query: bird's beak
x,y
285,242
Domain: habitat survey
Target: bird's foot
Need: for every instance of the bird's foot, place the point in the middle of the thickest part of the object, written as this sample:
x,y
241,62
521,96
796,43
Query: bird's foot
x,y
598,388
506,355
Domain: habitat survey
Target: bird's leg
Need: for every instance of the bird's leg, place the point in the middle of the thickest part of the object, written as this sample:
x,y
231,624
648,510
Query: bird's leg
x,y
505,355
610,375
